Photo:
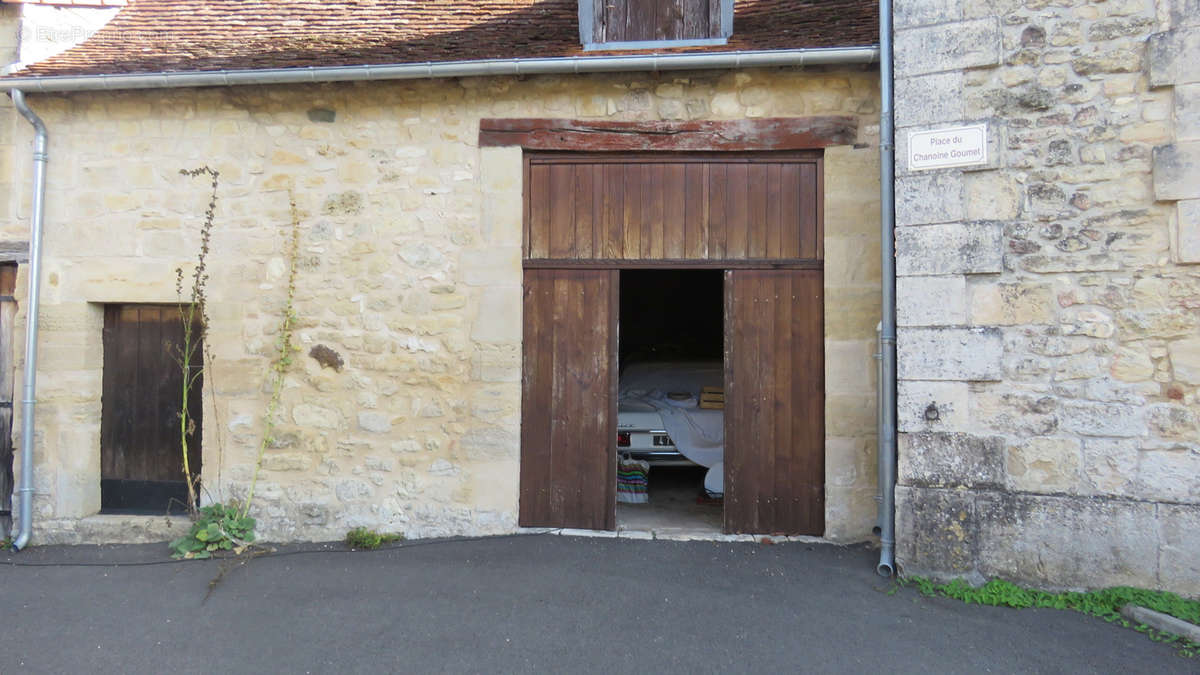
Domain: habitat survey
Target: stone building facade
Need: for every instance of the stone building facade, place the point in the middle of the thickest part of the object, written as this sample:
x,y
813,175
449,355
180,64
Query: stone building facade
x,y
409,269
1049,302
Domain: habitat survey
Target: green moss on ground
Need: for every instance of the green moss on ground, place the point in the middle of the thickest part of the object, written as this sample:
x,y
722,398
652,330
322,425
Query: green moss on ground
x,y
1105,603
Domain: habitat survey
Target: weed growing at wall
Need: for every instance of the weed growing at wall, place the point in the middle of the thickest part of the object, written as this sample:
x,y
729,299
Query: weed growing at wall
x,y
1105,603
227,527
364,538
218,527
194,315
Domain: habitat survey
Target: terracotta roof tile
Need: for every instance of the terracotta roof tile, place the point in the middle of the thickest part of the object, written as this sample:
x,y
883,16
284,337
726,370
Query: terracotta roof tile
x,y
68,3
192,35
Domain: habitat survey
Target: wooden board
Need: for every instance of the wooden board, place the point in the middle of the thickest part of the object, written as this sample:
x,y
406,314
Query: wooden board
x,y
774,402
8,328
695,19
142,388
638,20
757,134
568,407
711,208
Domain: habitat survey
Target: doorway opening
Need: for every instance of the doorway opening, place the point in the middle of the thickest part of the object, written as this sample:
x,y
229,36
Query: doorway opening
x,y
670,408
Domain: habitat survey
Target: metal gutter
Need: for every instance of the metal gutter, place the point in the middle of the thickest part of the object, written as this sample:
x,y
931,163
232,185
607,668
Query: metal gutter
x,y
438,69
886,396
29,384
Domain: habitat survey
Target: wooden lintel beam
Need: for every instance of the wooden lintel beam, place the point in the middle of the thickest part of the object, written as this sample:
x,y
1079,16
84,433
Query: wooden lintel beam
x,y
773,133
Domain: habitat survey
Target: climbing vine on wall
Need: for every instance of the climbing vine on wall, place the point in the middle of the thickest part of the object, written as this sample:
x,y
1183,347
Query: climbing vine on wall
x,y
284,349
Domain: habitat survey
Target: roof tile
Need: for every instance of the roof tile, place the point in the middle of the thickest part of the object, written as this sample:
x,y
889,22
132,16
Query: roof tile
x,y
198,35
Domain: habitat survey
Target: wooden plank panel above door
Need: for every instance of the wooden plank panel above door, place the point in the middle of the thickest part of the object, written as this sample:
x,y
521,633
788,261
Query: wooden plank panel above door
x,y
538,210
676,207
587,189
695,215
563,233
674,210
737,213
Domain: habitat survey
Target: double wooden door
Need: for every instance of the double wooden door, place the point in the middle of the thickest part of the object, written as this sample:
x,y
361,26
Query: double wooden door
x,y
774,391
756,216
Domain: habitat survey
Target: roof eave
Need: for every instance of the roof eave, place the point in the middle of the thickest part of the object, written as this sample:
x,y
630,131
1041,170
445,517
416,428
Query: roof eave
x,y
439,69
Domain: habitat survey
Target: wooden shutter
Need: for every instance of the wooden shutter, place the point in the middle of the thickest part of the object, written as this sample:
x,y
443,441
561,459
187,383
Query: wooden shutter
x,y
774,409
642,20
568,408
141,466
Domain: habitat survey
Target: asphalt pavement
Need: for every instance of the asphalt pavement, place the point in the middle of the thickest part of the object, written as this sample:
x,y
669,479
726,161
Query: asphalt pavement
x,y
528,603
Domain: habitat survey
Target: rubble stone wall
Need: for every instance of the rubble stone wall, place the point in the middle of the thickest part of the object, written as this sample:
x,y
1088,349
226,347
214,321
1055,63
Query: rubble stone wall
x,y
409,269
1049,304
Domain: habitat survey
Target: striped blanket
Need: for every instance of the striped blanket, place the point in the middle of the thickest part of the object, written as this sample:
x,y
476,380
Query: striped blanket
x,y
633,480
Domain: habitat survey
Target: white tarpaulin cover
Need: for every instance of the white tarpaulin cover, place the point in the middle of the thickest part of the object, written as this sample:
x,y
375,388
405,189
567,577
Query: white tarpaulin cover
x,y
699,434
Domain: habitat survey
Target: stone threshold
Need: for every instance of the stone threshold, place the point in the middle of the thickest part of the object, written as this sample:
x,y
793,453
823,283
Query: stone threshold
x,y
110,529
679,534
139,529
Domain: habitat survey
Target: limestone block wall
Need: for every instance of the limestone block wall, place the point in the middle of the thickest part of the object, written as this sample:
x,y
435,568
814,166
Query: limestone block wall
x,y
1049,316
10,26
30,33
409,270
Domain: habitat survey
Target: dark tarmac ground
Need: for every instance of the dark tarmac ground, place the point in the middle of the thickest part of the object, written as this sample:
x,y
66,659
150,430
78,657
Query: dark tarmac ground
x,y
529,603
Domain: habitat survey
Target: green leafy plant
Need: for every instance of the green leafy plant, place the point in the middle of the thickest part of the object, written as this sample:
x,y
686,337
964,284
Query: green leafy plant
x,y
226,527
364,538
219,527
1105,603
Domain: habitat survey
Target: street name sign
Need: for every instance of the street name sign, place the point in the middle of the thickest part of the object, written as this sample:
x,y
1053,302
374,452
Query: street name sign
x,y
944,148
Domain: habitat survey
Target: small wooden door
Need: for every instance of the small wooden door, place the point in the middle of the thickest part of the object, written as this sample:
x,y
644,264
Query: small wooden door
x,y
774,402
569,399
140,453
8,313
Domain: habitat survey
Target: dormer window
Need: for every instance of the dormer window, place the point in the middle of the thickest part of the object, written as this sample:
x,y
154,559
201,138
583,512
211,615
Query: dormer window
x,y
646,24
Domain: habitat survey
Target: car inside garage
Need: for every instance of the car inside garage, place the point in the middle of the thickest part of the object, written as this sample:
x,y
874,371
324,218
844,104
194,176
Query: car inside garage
x,y
670,407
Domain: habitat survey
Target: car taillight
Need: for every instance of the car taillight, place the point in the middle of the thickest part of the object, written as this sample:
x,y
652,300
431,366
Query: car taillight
x,y
623,439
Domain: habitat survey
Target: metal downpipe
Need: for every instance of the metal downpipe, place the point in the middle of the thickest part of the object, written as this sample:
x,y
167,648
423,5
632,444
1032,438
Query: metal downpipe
x,y
886,395
29,381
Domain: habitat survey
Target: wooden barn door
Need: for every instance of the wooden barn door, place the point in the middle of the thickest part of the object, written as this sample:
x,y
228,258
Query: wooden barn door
x,y
569,402
774,402
141,466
